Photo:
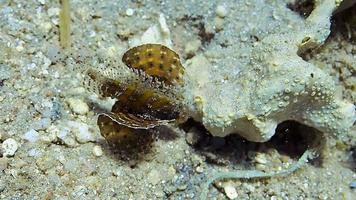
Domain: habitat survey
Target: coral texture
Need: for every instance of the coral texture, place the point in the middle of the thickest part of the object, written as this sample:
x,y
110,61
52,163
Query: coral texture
x,y
274,85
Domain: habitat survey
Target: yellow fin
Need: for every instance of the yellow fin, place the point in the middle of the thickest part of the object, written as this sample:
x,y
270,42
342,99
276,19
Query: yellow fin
x,y
155,60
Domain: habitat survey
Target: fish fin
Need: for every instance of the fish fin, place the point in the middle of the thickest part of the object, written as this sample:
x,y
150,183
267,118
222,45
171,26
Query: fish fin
x,y
155,60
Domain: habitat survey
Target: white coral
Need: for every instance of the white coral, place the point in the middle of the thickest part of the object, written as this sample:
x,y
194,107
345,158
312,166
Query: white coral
x,y
276,85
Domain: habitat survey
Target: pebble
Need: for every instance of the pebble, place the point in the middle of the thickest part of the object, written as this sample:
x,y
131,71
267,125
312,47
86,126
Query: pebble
x,y
261,158
78,106
219,23
230,191
221,11
42,124
34,153
31,136
154,177
249,187
50,134
82,132
53,12
97,151
9,147
42,2
64,136
199,169
130,12
4,162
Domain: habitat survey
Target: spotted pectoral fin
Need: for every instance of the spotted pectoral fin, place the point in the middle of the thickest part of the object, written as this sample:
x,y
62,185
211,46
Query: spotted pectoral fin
x,y
155,60
117,134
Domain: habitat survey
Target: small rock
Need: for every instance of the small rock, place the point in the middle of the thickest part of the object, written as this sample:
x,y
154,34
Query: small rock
x,y
171,172
261,158
31,136
3,163
182,187
219,23
53,12
34,153
221,11
97,151
249,187
199,169
78,106
42,124
154,177
42,2
64,136
129,12
82,132
9,147
353,184
53,178
230,191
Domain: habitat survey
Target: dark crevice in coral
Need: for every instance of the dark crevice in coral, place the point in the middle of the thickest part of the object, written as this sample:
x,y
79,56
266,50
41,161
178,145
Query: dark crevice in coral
x,y
302,7
291,139
344,24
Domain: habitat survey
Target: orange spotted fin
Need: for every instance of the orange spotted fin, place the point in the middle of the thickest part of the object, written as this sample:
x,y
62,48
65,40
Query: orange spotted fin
x,y
155,60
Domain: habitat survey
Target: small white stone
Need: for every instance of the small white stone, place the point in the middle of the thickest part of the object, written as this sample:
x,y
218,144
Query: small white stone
x,y
230,191
97,151
154,177
19,48
9,147
31,136
46,27
130,12
261,158
219,23
82,132
199,169
34,153
78,106
53,12
42,2
221,11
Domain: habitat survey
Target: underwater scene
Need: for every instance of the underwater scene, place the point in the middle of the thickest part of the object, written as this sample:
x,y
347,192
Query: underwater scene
x,y
168,99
